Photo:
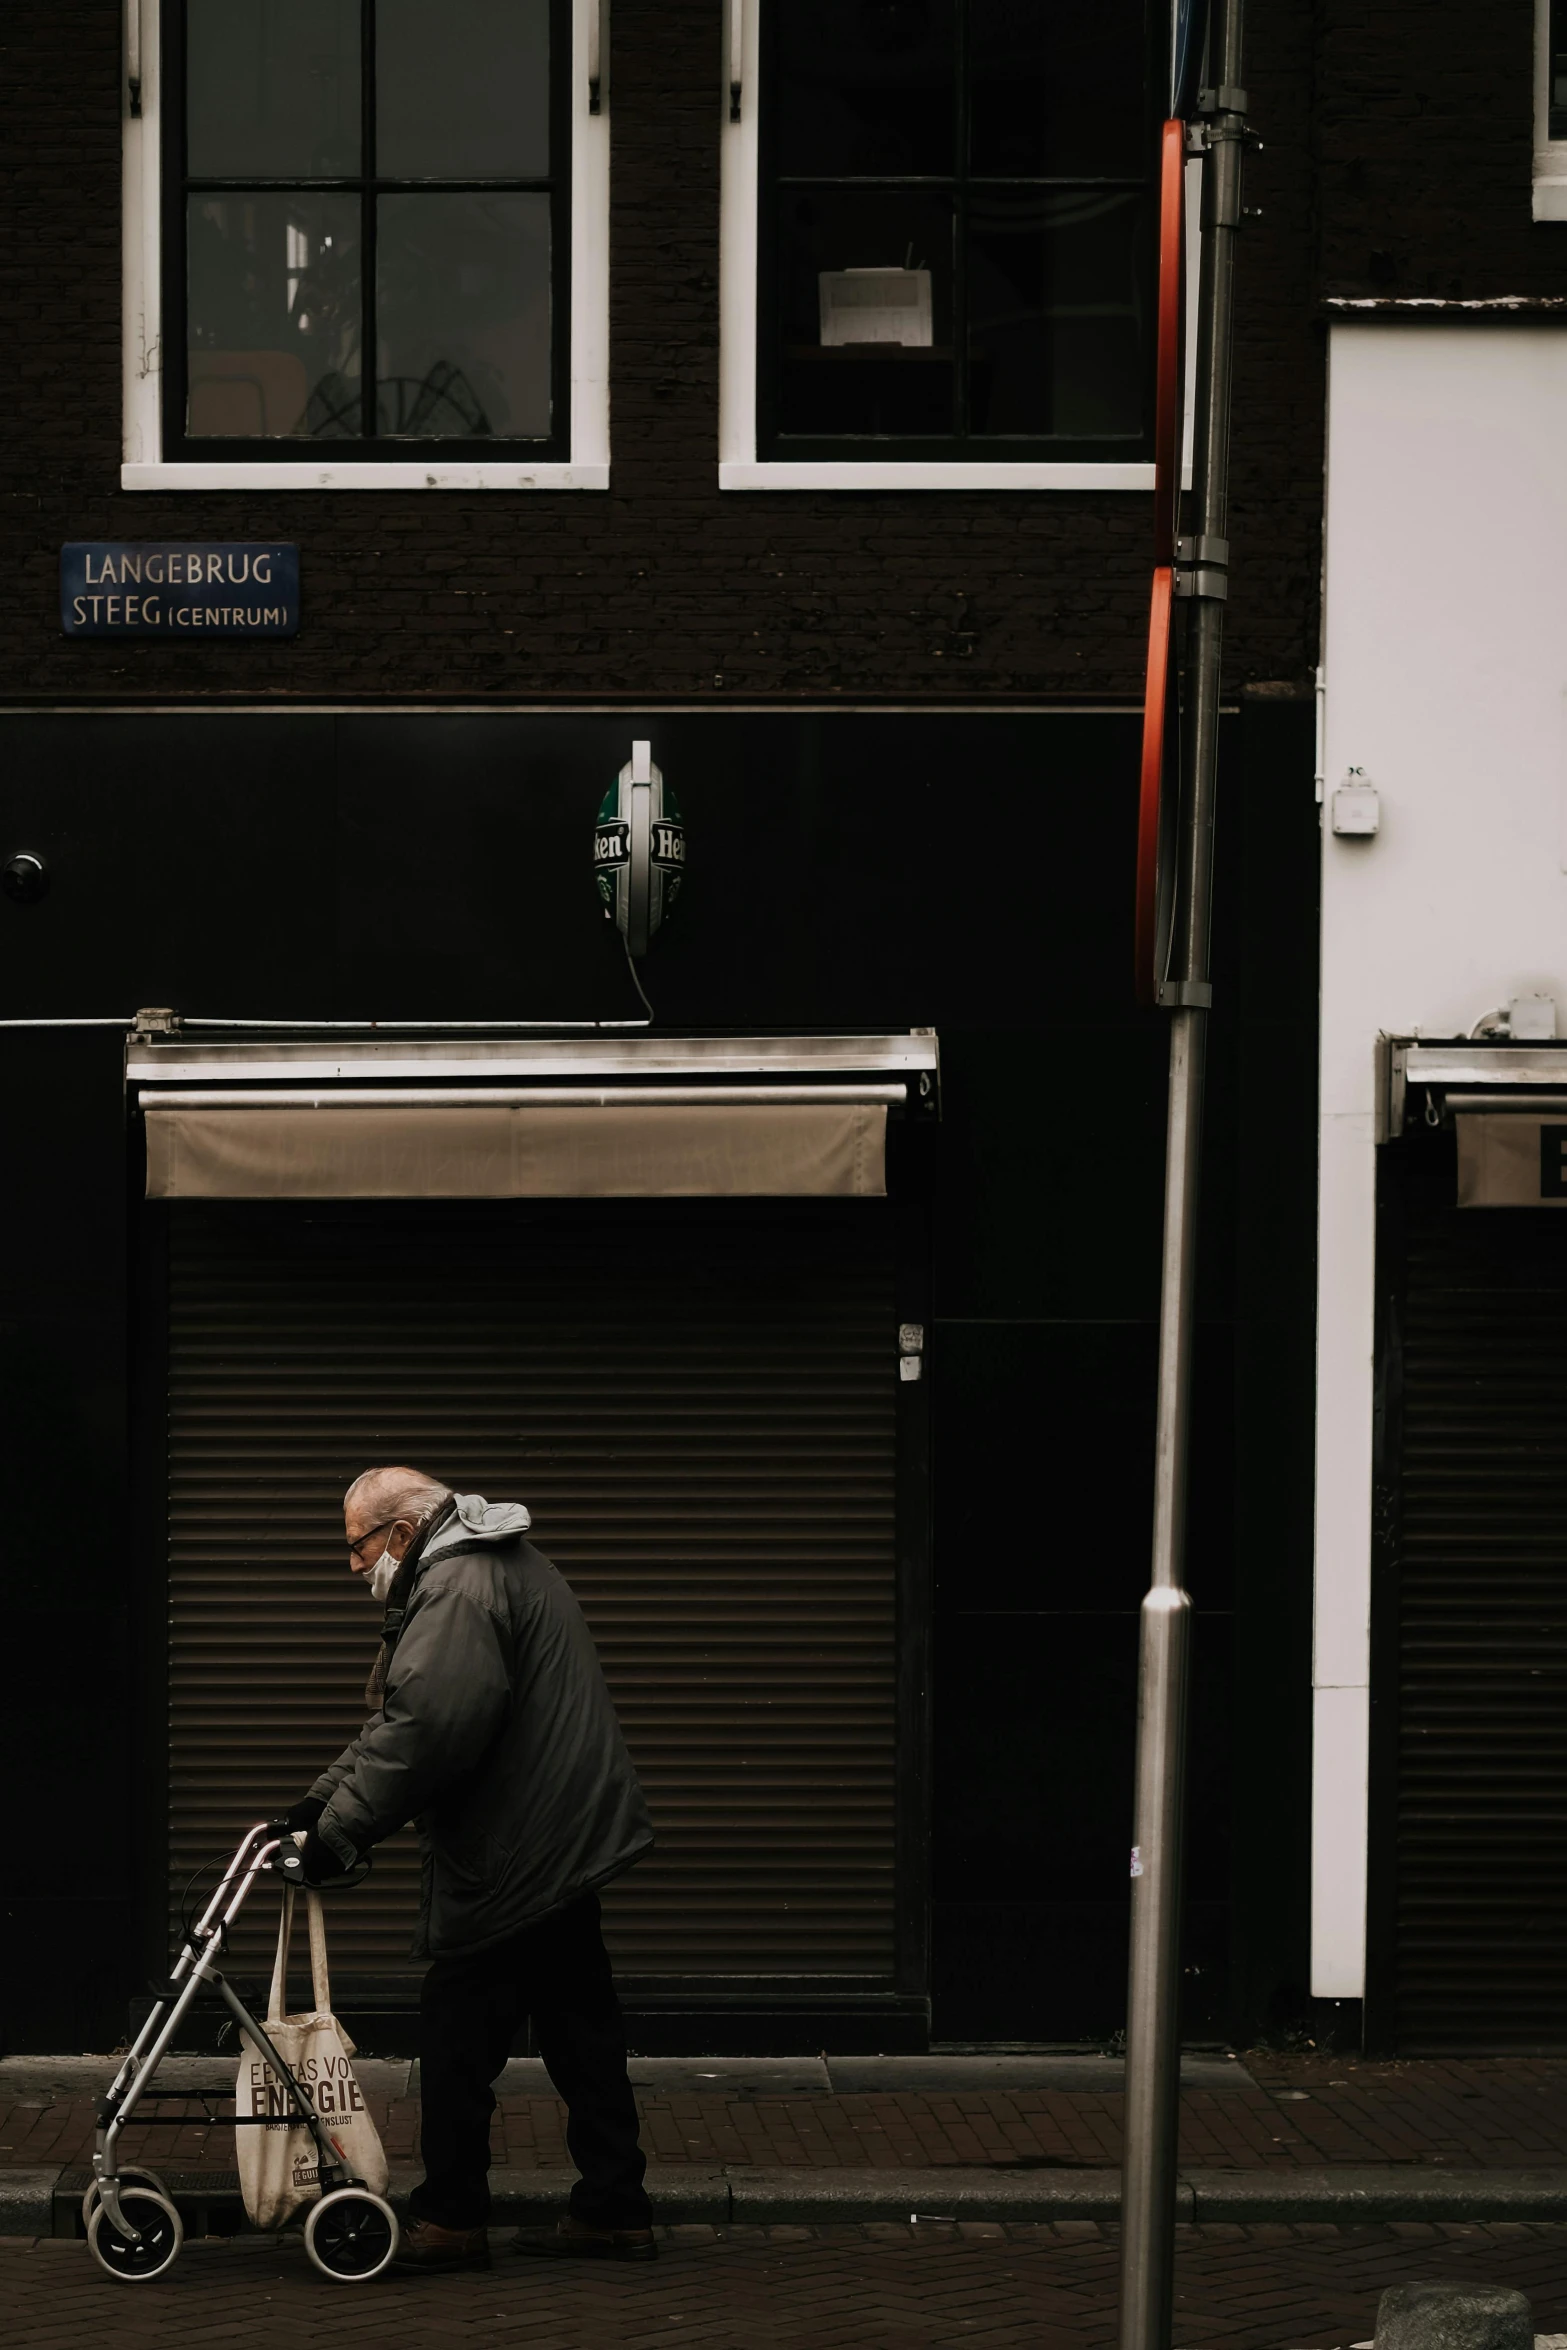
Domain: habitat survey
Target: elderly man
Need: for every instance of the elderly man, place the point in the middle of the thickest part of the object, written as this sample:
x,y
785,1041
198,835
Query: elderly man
x,y
495,1731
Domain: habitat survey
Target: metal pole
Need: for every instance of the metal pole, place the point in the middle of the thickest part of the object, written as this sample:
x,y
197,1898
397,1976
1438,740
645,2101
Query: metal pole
x,y
1153,1993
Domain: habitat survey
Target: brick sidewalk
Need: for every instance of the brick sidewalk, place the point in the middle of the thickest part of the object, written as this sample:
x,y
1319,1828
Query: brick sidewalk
x,y
1303,2111
841,2288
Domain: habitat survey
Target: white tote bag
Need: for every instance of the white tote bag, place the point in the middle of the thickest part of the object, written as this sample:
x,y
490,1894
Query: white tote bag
x,y
278,2166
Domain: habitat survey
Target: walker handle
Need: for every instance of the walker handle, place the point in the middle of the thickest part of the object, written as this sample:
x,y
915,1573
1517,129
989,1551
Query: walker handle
x,y
289,1862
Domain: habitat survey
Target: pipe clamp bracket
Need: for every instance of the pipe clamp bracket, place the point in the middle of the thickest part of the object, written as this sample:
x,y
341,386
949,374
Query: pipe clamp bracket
x,y
1202,568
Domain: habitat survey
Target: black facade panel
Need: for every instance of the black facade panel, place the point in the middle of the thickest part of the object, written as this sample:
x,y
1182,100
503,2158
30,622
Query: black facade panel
x,y
68,1728
1035,1716
998,1961
1270,847
1053,1170
847,872
439,867
1046,1491
185,857
1047,1453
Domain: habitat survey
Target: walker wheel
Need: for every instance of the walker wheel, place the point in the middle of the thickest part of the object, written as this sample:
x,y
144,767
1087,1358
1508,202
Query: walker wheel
x,y
158,2227
351,2235
130,2174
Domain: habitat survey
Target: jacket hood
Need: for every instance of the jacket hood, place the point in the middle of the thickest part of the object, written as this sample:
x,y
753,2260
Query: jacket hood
x,y
478,1520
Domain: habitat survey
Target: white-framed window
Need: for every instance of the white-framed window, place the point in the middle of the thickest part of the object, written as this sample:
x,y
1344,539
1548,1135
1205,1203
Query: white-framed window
x,y
310,185
937,255
1550,110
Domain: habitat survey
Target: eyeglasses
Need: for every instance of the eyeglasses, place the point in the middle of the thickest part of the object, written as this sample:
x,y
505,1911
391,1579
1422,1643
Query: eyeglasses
x,y
369,1533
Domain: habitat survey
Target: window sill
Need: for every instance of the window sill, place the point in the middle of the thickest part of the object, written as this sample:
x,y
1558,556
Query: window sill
x,y
891,474
286,476
1550,189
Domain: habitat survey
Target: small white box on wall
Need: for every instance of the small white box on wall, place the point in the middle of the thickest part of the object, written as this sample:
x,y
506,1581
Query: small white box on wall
x,y
1357,806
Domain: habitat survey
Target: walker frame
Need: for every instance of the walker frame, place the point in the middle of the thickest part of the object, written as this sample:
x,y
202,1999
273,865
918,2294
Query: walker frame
x,y
194,1971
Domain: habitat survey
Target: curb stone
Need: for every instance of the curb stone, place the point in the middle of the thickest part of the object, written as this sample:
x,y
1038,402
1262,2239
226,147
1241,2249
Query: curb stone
x,y
804,2194
688,2194
937,2191
1389,2191
27,2201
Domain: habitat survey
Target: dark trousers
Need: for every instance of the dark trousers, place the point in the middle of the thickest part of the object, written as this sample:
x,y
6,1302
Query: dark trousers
x,y
558,1973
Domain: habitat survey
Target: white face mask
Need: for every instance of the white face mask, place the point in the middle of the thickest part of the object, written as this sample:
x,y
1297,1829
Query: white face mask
x,y
382,1576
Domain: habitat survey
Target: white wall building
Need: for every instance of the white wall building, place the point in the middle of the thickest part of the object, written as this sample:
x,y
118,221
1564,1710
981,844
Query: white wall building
x,y
1445,663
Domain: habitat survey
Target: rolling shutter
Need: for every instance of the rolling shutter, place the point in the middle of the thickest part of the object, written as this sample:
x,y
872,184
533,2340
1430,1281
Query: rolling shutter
x,y
697,1404
1480,1957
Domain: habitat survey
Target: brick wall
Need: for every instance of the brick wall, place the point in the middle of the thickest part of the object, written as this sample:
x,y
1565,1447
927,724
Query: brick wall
x,y
661,588
1426,130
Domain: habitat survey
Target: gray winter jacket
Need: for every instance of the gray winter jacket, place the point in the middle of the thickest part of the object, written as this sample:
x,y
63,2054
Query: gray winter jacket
x,y
498,1736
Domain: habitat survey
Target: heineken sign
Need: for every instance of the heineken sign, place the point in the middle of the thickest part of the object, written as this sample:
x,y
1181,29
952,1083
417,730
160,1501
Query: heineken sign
x,y
639,850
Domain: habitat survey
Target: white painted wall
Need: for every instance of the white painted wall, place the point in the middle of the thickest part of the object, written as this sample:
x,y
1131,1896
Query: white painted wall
x,y
1446,662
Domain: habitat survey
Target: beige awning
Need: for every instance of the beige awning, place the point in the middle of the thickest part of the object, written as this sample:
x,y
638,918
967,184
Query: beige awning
x,y
625,1144
1513,1158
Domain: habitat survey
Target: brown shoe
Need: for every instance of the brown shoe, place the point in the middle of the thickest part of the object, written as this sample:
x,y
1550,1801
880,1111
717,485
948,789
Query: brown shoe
x,y
427,2245
573,2239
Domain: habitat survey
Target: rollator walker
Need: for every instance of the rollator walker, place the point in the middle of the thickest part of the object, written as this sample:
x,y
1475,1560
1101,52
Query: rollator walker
x,y
133,2229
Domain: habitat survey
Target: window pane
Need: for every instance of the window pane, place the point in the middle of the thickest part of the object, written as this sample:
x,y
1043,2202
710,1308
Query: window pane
x,y
274,316
1057,327
865,86
1058,93
463,316
272,88
462,89
865,305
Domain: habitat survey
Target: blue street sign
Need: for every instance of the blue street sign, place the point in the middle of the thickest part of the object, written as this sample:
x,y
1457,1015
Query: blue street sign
x,y
1188,31
187,590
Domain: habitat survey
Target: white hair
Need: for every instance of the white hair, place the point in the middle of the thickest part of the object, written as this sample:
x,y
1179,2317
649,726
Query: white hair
x,y
384,1494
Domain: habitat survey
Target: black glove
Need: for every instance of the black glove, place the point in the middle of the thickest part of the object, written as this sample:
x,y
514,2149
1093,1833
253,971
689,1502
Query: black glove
x,y
313,1863
320,1865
